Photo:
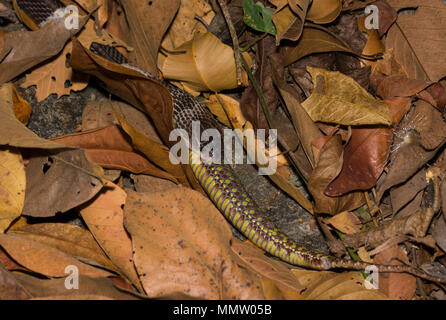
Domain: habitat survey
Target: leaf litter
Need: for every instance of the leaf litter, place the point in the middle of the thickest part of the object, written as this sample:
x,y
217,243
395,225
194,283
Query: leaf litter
x,y
361,146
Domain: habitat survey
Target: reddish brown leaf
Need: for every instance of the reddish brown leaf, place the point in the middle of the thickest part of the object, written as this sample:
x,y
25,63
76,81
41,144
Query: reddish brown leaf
x,y
327,168
365,156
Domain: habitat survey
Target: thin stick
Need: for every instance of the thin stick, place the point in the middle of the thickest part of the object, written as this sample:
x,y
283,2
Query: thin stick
x,y
235,43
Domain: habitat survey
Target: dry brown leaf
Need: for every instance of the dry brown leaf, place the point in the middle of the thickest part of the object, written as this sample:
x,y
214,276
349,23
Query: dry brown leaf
x,y
324,11
148,18
55,77
22,50
185,25
11,289
327,168
397,286
155,152
145,183
12,186
44,259
88,286
71,239
339,99
312,41
266,267
289,19
48,194
104,218
110,148
181,247
419,48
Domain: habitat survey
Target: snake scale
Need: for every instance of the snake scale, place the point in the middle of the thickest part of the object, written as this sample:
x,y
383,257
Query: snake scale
x,y
218,180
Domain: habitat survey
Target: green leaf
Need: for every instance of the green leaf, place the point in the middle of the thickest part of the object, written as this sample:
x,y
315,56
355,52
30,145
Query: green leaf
x,y
258,17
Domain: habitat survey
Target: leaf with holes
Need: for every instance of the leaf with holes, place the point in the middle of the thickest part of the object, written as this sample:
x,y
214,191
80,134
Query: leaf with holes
x,y
56,77
258,17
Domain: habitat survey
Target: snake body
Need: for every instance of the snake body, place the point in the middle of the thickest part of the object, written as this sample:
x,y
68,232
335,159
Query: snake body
x,y
219,180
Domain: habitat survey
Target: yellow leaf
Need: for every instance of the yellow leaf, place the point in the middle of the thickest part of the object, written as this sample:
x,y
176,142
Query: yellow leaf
x,y
346,222
207,64
12,186
339,99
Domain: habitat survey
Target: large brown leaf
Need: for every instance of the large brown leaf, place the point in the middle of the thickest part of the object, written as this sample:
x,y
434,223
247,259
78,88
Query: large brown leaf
x,y
182,248
22,50
148,21
104,218
418,39
44,259
47,193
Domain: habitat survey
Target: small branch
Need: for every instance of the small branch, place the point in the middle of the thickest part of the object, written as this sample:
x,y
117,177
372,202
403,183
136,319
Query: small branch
x,y
235,43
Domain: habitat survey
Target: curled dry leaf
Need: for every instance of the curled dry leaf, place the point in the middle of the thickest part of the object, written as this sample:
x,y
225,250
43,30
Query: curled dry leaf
x,y
346,222
22,109
155,152
327,168
44,259
181,247
312,41
324,11
207,64
48,194
12,186
289,19
104,218
339,99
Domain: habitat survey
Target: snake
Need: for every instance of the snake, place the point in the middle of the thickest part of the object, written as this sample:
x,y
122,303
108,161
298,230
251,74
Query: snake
x,y
219,180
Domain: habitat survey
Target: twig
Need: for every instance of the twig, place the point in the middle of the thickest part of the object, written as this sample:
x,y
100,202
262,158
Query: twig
x,y
253,42
235,43
258,91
